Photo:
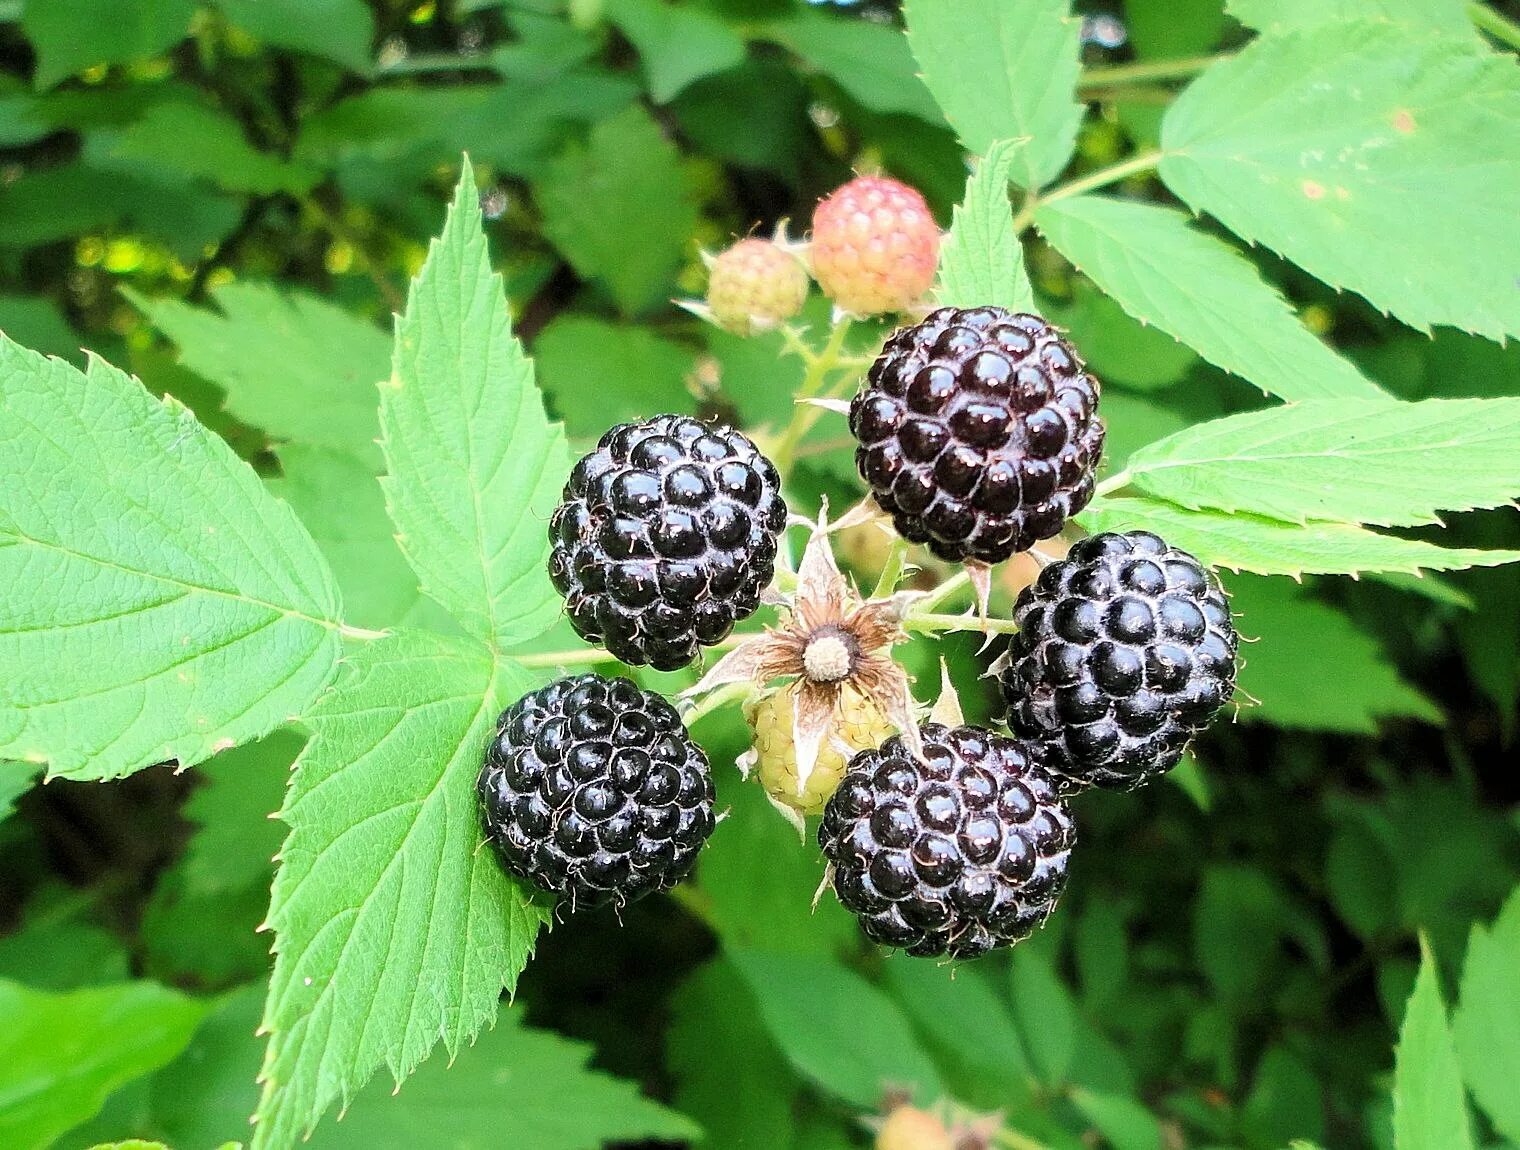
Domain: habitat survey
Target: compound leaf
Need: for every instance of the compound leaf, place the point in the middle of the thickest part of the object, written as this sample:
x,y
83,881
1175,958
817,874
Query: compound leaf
x,y
1394,464
1165,272
1380,161
1263,546
393,927
474,464
982,261
161,604
1003,70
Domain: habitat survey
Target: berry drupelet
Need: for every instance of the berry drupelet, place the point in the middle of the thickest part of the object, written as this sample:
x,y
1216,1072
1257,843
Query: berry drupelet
x,y
1125,651
978,432
665,538
592,790
953,854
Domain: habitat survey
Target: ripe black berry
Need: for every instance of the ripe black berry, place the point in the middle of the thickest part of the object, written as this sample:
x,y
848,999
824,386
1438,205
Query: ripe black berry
x,y
1125,651
978,432
956,854
665,538
593,790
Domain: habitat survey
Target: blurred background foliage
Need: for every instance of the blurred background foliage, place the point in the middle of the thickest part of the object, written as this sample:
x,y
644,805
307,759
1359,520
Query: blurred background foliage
x,y
229,196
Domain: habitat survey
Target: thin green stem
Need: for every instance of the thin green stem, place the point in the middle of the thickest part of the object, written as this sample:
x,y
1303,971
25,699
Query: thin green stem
x,y
730,693
361,634
892,570
583,657
919,621
1495,23
1013,1140
1136,165
804,415
1148,71
1114,482
945,591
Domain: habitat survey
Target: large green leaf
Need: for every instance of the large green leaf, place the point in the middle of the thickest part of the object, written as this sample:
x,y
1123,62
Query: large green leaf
x,y
1486,1025
15,780
1004,70
1448,16
339,30
194,141
160,604
1429,1105
1378,160
78,34
678,45
870,61
837,1028
1296,631
596,373
619,209
982,261
514,1087
302,369
61,1055
1273,547
1359,461
474,465
1165,272
394,928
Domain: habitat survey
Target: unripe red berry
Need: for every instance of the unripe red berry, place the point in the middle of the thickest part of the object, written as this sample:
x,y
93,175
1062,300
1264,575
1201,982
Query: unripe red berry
x,y
875,246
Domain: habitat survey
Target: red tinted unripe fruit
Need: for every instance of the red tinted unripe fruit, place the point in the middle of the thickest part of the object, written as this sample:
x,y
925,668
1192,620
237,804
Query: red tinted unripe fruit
x,y
875,246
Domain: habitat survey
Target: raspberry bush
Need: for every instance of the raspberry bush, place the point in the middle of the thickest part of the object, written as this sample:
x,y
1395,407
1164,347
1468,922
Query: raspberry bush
x,y
911,575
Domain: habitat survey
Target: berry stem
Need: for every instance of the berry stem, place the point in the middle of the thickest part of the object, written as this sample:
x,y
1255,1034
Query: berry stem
x,y
591,656
1115,482
945,591
1137,164
1148,71
919,621
1495,23
804,415
731,693
892,570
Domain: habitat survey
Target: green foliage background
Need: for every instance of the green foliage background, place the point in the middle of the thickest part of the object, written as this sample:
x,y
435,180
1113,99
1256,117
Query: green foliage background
x,y
228,199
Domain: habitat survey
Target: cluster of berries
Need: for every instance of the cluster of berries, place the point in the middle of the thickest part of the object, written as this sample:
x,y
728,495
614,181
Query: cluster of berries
x,y
977,432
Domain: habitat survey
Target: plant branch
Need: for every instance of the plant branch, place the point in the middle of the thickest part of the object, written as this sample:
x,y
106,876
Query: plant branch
x,y
1137,164
1495,23
1114,482
804,415
919,621
945,591
1148,71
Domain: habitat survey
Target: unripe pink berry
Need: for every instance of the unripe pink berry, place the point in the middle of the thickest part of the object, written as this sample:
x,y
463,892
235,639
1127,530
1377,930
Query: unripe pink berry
x,y
875,246
755,284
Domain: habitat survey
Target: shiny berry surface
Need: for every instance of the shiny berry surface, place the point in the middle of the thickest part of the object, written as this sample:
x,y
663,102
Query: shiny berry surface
x,y
978,432
665,537
1125,651
592,790
954,855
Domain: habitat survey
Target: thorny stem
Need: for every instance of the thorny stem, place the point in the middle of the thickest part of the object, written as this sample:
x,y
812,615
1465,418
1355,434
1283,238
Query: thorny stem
x,y
892,570
804,415
920,621
1495,23
945,591
730,693
1148,71
591,656
1134,166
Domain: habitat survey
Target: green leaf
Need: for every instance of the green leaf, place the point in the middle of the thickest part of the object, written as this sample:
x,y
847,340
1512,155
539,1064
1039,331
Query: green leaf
x,y
1045,1014
1380,161
1004,70
1179,28
1272,547
58,945
575,356
1286,1100
302,369
38,323
1123,1122
836,1028
79,34
338,498
206,1094
1358,461
729,1075
870,62
161,604
515,1086
475,467
393,927
61,1055
197,142
619,209
233,811
678,45
1118,347
1297,631
1429,1106
338,30
1486,1025
15,780
1446,16
1165,272
982,261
